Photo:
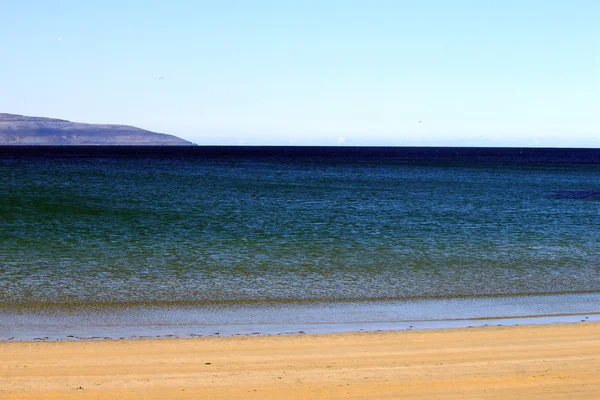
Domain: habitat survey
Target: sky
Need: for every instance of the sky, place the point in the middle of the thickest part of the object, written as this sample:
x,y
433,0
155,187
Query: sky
x,y
383,73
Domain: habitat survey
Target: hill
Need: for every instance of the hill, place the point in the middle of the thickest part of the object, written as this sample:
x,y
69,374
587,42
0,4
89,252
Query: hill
x,y
32,131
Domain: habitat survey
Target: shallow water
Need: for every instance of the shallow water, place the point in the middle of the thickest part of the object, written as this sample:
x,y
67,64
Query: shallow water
x,y
264,318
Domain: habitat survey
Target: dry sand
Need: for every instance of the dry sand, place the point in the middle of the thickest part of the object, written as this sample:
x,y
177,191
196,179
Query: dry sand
x,y
543,361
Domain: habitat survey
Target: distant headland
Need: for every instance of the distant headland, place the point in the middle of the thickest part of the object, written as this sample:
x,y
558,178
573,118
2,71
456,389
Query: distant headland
x,y
37,131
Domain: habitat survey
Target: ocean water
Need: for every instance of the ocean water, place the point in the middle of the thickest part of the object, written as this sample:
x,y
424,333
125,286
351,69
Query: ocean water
x,y
203,230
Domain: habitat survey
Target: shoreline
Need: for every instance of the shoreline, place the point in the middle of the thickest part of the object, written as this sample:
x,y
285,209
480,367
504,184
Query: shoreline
x,y
556,361
325,329
132,322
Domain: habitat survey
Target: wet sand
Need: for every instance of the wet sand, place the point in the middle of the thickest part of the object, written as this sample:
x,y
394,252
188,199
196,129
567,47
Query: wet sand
x,y
539,361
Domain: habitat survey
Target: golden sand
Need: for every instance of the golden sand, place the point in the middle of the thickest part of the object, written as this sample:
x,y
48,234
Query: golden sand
x,y
526,362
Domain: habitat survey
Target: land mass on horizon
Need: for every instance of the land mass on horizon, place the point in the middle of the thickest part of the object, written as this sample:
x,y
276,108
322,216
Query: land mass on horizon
x,y
38,131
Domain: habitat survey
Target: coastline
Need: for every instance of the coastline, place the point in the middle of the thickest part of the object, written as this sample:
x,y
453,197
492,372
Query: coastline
x,y
99,322
554,361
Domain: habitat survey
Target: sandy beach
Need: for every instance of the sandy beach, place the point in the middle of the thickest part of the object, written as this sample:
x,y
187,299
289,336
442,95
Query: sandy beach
x,y
543,361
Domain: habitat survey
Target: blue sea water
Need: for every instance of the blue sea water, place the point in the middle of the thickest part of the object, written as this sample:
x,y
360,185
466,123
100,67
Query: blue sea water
x,y
221,228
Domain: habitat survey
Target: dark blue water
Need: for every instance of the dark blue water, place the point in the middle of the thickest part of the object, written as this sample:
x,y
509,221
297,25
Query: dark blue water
x,y
219,228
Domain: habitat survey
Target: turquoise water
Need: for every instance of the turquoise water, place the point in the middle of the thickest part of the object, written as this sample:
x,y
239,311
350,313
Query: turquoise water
x,y
200,230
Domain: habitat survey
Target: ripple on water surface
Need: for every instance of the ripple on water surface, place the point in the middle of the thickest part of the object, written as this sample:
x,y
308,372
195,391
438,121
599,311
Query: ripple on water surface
x,y
105,230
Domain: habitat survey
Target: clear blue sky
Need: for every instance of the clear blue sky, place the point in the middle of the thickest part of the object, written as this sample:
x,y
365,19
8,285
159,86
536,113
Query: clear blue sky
x,y
516,73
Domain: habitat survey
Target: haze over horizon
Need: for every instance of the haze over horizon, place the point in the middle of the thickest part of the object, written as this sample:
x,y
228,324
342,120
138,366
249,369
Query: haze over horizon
x,y
498,73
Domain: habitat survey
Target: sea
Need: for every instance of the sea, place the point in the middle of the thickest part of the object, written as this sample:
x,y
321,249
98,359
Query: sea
x,y
115,242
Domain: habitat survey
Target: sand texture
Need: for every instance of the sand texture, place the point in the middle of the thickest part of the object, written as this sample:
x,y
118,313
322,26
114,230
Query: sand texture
x,y
532,362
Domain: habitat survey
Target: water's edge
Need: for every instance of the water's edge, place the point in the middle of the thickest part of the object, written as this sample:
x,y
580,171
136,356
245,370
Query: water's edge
x,y
181,321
